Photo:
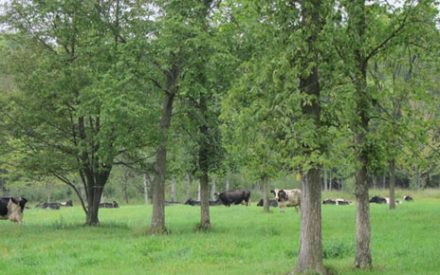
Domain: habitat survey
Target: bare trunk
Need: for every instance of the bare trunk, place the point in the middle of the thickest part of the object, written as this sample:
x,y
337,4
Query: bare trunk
x,y
158,217
173,190
188,186
310,253
392,183
227,184
199,192
265,185
146,188
204,142
213,189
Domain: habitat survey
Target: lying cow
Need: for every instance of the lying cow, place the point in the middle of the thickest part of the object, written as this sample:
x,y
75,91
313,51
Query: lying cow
x,y
113,204
234,197
378,199
49,205
195,202
287,198
272,203
12,208
336,202
68,203
407,198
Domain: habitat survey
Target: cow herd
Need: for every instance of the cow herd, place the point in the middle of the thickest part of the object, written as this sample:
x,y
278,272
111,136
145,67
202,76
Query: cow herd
x,y
11,208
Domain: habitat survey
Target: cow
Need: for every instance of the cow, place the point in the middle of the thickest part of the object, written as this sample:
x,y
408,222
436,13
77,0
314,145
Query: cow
x,y
113,204
195,202
336,202
234,197
49,205
377,199
287,198
388,200
407,198
272,203
12,208
68,203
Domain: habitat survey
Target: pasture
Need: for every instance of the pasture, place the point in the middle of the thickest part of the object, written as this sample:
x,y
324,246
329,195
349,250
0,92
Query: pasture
x,y
243,240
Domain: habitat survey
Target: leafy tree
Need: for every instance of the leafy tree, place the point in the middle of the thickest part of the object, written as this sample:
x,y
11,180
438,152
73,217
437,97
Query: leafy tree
x,y
76,106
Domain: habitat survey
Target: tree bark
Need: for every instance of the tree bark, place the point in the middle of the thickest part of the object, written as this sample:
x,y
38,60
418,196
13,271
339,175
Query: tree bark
x,y
205,222
265,185
146,187
310,258
157,225
392,166
173,190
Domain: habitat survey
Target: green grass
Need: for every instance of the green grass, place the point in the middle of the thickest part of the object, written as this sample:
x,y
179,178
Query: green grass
x,y
243,240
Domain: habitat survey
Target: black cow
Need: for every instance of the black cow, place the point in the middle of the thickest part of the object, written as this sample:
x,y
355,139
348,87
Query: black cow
x,y
12,208
234,197
377,199
49,205
113,204
407,198
194,202
272,203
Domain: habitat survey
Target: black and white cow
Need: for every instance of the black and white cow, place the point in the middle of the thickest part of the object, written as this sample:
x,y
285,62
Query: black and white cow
x,y
234,197
287,198
378,199
12,208
272,203
113,204
49,205
336,201
68,203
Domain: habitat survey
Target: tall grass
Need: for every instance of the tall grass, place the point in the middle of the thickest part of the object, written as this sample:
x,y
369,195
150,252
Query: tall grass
x,y
243,240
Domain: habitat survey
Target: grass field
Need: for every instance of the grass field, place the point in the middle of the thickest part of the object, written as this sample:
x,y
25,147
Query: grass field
x,y
244,240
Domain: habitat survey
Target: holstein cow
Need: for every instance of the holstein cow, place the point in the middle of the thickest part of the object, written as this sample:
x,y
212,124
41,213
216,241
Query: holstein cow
x,y
336,202
407,198
272,203
377,199
12,208
234,197
287,197
113,204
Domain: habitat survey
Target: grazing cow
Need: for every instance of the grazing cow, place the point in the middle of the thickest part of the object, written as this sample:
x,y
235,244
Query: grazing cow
x,y
287,197
272,203
388,200
377,199
12,208
234,197
407,198
113,204
336,202
49,205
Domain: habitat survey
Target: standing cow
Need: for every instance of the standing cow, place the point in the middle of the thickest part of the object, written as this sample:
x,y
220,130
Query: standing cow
x,y
12,208
234,197
287,198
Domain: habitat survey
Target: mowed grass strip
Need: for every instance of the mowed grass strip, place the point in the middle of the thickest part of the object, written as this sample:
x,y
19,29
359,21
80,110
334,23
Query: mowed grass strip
x,y
243,240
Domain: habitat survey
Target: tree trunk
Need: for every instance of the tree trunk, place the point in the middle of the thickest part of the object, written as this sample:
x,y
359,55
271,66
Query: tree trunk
x,y
213,189
392,183
227,184
310,252
188,186
146,187
204,165
158,217
265,185
310,256
173,190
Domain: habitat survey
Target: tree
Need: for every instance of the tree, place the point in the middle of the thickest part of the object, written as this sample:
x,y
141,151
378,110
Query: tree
x,y
75,103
